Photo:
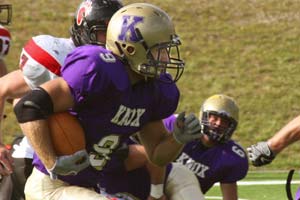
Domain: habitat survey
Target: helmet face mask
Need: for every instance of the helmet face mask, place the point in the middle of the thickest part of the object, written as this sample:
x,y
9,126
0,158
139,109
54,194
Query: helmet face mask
x,y
163,58
144,36
224,108
91,17
219,134
5,14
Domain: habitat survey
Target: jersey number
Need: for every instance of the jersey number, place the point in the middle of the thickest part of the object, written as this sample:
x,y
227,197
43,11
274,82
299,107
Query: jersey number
x,y
108,57
238,151
102,151
23,61
4,46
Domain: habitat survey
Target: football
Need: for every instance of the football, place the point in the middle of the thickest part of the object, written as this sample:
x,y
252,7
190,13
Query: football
x,y
66,133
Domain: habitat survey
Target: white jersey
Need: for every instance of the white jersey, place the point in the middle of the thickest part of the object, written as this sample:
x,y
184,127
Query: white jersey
x,y
42,58
5,40
40,61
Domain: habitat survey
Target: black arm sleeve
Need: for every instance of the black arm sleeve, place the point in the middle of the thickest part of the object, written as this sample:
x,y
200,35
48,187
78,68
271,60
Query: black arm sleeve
x,y
36,105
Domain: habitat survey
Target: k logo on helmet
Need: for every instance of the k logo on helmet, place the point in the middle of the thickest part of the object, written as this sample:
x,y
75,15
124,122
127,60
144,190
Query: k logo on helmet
x,y
128,28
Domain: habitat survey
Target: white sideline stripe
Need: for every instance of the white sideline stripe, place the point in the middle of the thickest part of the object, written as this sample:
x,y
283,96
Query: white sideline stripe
x,y
270,182
216,197
266,182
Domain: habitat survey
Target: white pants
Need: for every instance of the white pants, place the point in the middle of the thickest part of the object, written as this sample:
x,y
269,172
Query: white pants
x,y
182,184
39,186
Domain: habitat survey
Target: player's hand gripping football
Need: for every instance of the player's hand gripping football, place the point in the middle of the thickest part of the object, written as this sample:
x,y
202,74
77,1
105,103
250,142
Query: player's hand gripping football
x,y
187,128
260,154
70,164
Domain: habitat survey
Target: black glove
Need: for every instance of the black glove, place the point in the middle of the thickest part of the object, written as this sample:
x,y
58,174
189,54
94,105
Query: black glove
x,y
260,154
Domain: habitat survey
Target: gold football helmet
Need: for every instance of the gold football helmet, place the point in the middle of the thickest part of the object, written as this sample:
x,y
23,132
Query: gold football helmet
x,y
143,35
224,107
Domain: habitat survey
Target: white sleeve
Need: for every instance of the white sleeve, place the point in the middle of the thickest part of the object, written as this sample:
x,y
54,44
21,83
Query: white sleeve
x,y
42,58
34,73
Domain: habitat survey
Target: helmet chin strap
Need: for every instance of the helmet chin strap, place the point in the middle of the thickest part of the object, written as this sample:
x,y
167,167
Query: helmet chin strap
x,y
134,77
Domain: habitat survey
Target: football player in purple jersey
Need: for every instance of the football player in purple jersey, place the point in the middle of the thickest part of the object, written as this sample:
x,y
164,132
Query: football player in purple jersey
x,y
41,59
213,158
114,92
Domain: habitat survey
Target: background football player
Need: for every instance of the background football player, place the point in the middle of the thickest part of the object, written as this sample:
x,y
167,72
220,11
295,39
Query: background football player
x,y
215,157
5,37
5,40
212,158
264,152
40,61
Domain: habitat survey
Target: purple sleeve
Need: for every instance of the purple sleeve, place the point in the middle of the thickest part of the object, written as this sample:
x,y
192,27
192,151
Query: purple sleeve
x,y
169,123
84,76
237,169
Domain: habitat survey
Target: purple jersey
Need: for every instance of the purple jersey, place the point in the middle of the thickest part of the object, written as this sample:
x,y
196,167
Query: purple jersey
x,y
224,163
135,183
109,107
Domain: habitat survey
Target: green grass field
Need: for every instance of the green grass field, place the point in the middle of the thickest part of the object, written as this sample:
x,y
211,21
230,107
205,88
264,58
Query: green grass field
x,y
269,185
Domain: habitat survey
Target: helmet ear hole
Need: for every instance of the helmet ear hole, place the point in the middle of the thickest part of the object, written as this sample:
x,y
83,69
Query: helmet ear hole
x,y
130,50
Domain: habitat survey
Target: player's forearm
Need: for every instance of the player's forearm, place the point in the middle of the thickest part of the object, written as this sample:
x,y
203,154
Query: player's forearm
x,y
137,157
1,119
39,137
2,104
3,68
157,174
13,86
286,136
166,151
